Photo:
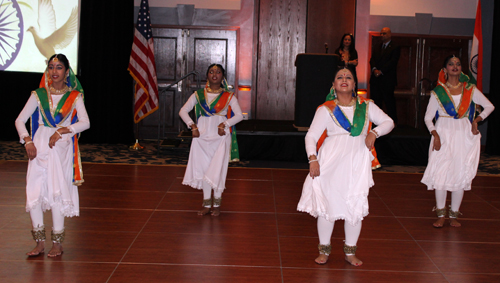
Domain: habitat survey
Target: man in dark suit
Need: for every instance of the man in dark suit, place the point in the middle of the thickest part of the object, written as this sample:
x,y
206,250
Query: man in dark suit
x,y
383,78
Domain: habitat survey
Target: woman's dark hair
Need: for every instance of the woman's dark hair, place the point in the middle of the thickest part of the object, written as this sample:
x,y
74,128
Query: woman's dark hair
x,y
62,58
219,66
352,46
445,63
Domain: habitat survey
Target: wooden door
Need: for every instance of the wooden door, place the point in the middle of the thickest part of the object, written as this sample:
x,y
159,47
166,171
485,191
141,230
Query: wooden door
x,y
179,51
206,47
435,50
169,48
419,64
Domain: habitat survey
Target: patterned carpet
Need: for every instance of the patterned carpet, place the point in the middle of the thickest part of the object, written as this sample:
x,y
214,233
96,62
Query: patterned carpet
x,y
123,154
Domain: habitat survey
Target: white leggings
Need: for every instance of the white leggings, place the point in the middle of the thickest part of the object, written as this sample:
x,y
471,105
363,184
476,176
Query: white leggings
x,y
57,218
325,230
207,193
456,199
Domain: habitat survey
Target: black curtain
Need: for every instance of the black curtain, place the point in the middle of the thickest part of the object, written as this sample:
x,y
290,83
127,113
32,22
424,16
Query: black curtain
x,y
493,134
106,36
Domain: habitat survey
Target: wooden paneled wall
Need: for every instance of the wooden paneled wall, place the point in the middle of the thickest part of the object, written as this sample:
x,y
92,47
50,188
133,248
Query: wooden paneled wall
x,y
287,28
282,35
327,22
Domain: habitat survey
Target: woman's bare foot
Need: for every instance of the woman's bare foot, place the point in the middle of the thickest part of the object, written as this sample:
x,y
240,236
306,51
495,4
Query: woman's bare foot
x,y
216,211
439,223
321,259
204,211
39,249
454,222
353,260
56,250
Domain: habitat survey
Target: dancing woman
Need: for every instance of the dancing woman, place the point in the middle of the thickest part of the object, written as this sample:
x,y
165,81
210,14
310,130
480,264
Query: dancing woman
x,y
456,143
214,138
58,115
340,171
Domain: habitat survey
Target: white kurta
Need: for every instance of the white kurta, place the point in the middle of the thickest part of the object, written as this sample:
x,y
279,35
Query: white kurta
x,y
49,180
454,166
209,154
341,189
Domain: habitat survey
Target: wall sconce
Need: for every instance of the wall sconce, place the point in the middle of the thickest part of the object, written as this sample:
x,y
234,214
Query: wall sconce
x,y
244,99
244,88
362,93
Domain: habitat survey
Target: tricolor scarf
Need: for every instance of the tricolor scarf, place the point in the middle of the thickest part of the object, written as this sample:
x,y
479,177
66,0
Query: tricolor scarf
x,y
360,120
62,112
220,103
466,108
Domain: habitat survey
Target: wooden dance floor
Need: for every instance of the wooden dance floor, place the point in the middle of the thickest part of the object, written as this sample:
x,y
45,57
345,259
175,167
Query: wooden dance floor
x,y
139,224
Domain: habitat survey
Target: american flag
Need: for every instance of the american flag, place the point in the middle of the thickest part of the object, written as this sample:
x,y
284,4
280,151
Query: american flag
x,y
142,66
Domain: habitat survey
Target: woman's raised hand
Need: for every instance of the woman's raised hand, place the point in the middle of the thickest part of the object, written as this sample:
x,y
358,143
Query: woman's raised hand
x,y
370,140
54,138
221,129
195,131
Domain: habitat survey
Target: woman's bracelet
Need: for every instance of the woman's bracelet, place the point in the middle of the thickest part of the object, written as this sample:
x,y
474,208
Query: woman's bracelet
x,y
375,132
28,142
313,160
223,128
194,129
59,134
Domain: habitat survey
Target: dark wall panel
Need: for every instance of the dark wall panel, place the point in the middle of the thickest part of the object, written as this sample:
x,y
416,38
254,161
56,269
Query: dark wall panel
x,y
327,21
282,30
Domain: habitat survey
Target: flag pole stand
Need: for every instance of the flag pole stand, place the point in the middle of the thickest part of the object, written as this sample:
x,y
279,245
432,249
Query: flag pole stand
x,y
136,145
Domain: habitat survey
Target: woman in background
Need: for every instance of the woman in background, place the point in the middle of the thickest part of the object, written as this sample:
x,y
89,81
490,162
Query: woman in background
x,y
214,138
340,171
348,56
456,142
58,115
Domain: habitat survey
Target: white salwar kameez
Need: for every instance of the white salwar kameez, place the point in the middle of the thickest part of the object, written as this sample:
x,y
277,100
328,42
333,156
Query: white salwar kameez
x,y
210,152
341,189
49,181
454,166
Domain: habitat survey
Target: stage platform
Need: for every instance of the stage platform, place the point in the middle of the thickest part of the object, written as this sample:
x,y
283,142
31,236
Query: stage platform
x,y
281,141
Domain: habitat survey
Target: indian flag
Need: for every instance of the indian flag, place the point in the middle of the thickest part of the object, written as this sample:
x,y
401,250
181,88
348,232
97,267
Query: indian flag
x,y
476,54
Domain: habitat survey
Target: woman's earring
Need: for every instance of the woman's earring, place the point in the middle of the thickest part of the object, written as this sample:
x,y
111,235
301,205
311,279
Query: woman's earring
x,y
208,83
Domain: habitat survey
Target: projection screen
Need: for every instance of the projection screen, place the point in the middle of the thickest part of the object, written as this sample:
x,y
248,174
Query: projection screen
x,y
33,30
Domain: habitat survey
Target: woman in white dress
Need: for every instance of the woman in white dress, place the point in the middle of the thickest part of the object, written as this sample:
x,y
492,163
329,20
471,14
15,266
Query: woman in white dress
x,y
214,138
58,115
456,143
340,172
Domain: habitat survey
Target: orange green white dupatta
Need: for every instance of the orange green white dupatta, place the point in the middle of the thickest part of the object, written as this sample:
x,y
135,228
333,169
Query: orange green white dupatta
x,y
466,108
53,116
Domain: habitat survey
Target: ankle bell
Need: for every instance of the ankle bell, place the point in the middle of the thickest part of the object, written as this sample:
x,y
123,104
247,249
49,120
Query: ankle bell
x,y
350,250
217,201
454,214
440,212
324,249
58,236
207,203
38,234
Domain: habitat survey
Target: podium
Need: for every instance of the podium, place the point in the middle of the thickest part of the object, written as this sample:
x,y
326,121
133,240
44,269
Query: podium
x,y
314,79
